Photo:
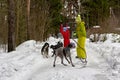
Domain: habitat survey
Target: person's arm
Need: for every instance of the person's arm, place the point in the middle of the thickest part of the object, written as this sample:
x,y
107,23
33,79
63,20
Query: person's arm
x,y
83,29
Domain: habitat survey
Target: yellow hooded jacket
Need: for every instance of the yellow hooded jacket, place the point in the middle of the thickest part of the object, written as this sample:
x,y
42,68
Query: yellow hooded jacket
x,y
81,33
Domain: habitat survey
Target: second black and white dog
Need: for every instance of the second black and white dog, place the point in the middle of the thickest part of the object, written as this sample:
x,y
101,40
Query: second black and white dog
x,y
45,49
63,52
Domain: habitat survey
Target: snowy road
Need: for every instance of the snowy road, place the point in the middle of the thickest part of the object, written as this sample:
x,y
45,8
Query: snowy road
x,y
94,70
28,64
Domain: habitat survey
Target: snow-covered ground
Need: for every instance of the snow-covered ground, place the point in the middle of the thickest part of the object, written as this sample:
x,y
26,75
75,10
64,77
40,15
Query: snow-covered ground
x,y
27,63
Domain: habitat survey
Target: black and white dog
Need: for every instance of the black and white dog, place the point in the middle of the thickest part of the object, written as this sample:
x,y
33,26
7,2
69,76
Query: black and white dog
x,y
54,47
63,52
45,49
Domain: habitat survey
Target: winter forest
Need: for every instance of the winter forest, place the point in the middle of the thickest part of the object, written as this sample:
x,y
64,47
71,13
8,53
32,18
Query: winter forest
x,y
25,26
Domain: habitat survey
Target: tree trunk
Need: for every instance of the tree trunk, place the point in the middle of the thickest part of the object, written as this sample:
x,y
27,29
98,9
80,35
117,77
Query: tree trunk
x,y
11,25
28,19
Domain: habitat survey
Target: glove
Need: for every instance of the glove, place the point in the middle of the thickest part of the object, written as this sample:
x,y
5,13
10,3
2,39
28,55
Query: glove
x,y
64,29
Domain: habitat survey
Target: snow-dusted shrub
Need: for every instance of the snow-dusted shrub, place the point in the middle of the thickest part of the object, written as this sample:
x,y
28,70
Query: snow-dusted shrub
x,y
116,38
104,37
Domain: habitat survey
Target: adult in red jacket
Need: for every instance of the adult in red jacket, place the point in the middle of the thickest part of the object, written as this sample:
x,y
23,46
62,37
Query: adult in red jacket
x,y
64,30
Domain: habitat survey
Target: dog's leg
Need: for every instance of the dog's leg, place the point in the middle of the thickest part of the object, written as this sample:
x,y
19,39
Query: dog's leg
x,y
64,53
67,60
71,61
47,54
54,61
62,62
53,53
42,52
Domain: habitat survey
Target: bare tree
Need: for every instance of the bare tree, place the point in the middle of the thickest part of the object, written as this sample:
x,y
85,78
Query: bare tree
x,y
11,25
28,19
40,19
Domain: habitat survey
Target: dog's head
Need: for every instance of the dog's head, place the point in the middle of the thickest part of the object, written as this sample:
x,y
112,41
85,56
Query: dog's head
x,y
53,46
70,45
60,44
73,44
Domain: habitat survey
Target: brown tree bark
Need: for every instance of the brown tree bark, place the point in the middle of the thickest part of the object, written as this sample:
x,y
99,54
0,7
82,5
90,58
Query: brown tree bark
x,y
28,19
11,25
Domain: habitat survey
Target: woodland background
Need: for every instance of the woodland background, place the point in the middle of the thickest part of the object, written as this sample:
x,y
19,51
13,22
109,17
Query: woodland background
x,y
22,20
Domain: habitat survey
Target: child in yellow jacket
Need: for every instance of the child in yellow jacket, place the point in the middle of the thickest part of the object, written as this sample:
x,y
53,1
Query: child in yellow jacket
x,y
81,34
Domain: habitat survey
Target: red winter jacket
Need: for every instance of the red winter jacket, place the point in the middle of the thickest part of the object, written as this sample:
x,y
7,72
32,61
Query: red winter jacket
x,y
66,35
